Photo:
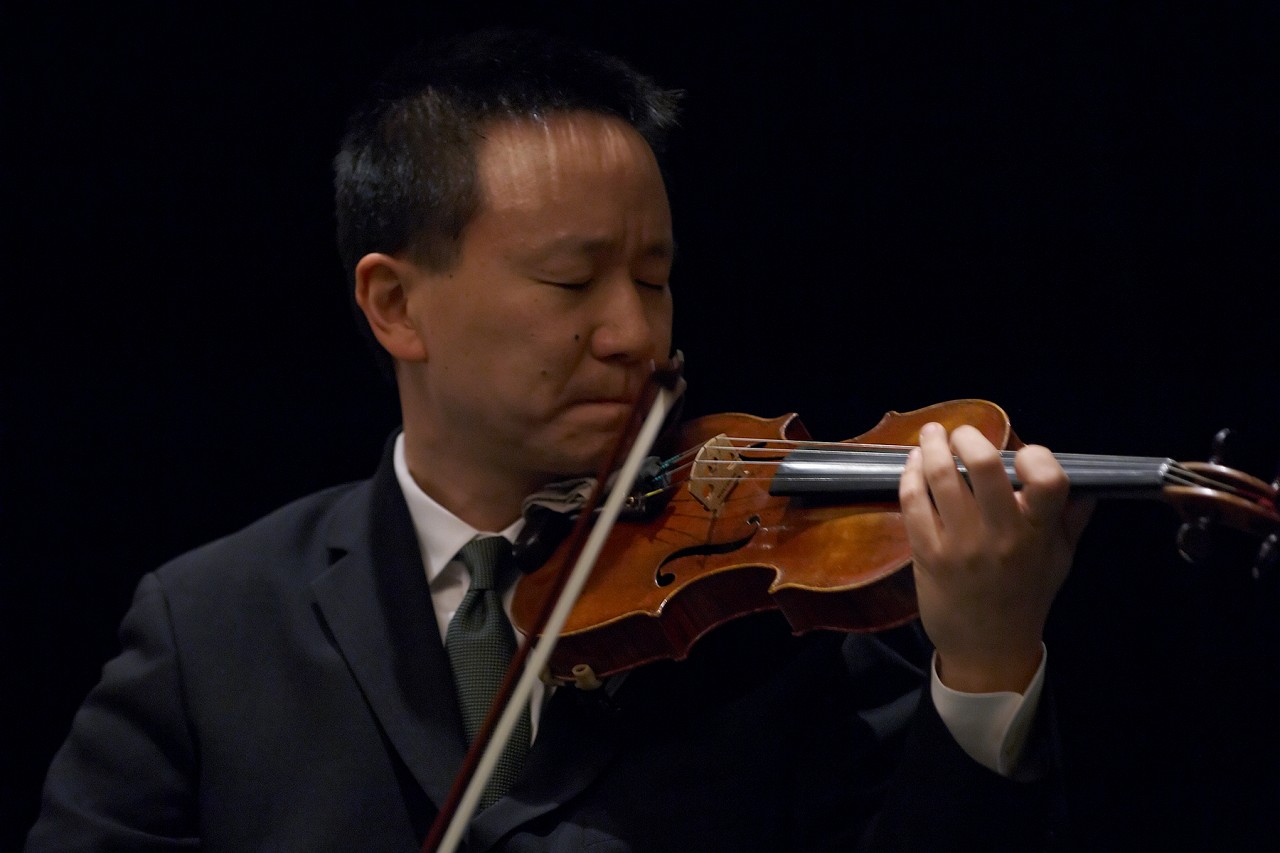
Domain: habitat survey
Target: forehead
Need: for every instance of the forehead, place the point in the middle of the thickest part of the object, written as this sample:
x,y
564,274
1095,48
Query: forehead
x,y
524,164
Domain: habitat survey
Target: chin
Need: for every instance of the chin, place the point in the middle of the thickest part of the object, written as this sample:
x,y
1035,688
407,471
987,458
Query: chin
x,y
586,458
578,446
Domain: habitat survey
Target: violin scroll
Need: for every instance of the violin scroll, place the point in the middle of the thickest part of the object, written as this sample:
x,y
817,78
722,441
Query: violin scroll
x,y
1224,497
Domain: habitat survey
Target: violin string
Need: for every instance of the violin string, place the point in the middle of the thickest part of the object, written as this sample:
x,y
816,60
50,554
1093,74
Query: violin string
x,y
672,469
755,446
1180,475
774,444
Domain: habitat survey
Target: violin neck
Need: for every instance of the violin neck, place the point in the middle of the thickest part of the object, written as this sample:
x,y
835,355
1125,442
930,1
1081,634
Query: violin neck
x,y
871,473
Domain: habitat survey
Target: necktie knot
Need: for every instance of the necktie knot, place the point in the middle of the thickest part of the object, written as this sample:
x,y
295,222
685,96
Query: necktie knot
x,y
485,557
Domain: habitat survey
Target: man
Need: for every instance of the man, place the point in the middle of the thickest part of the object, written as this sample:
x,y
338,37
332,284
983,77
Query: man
x,y
503,213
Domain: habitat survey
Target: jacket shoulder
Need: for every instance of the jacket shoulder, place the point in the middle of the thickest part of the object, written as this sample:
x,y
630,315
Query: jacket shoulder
x,y
297,536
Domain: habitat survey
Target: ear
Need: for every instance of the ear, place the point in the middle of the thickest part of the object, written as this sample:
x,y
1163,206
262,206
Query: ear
x,y
382,285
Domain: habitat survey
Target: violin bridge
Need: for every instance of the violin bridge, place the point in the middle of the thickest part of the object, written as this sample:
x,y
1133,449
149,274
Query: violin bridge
x,y
716,469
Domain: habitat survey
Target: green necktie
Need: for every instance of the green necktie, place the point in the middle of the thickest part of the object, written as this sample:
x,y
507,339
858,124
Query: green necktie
x,y
480,646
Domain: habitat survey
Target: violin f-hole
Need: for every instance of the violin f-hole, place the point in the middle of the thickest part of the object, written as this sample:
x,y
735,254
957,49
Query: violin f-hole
x,y
662,578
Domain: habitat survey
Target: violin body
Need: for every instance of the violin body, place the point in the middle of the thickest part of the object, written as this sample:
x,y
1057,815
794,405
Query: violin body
x,y
702,559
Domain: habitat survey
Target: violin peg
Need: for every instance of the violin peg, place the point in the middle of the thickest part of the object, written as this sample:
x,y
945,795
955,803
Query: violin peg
x,y
1195,544
1268,557
1218,454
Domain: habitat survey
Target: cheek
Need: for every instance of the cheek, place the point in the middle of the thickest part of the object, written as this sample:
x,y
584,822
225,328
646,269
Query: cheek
x,y
661,324
550,329
538,353
503,331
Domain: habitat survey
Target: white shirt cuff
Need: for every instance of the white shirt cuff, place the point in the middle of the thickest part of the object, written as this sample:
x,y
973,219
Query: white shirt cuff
x,y
991,728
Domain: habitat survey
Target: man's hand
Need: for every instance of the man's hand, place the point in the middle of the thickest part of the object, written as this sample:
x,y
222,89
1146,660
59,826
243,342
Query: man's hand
x,y
988,559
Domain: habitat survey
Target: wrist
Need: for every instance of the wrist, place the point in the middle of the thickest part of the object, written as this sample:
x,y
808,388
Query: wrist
x,y
996,673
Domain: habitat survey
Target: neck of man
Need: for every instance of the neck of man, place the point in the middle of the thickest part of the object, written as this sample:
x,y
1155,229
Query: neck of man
x,y
487,503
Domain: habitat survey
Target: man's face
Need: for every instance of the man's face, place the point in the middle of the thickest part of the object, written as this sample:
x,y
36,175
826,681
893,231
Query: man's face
x,y
540,337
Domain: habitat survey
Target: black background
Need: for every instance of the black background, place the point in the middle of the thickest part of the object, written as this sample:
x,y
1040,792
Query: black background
x,y
1067,208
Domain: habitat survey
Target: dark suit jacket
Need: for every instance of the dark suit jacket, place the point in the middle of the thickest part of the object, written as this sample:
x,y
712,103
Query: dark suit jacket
x,y
285,689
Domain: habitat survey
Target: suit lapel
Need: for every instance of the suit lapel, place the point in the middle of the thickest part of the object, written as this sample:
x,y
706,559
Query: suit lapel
x,y
375,600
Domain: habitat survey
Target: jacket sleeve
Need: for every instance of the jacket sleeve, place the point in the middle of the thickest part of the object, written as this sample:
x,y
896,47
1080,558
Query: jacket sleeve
x,y
125,777
936,797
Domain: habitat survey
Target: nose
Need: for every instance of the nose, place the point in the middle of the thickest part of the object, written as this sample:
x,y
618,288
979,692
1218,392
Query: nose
x,y
633,321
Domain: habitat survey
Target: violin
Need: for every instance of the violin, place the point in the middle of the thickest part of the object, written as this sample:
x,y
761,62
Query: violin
x,y
751,514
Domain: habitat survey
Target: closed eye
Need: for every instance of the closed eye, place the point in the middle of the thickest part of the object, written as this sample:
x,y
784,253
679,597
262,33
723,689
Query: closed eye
x,y
571,285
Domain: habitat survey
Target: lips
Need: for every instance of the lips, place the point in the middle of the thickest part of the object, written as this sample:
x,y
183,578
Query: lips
x,y
620,397
620,392
612,405
609,410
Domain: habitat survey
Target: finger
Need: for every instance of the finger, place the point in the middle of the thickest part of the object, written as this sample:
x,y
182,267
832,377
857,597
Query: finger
x,y
917,507
1075,517
952,498
988,479
1044,484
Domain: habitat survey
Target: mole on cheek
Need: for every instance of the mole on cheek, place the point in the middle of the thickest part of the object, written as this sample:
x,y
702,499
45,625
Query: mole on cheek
x,y
577,337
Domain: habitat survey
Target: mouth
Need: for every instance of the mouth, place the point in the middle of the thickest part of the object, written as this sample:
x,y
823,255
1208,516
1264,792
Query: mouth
x,y
607,403
611,399
609,411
